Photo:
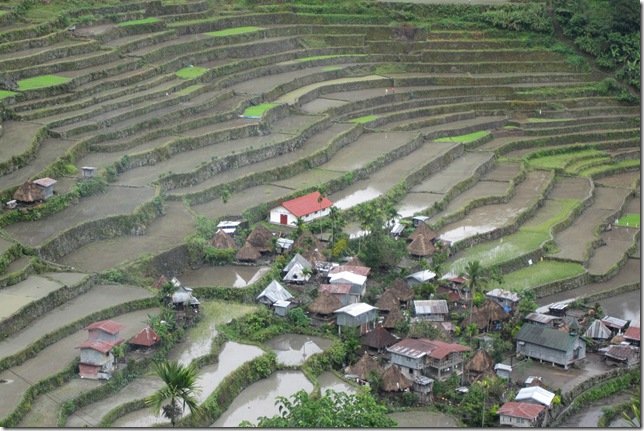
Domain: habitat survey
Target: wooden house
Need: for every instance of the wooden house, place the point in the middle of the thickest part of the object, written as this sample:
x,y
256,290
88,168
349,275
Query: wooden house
x,y
96,358
598,331
622,355
544,320
297,274
423,229
523,415
342,291
393,319
88,171
550,345
322,308
297,259
393,380
434,310
359,315
431,358
28,193
46,184
357,282
387,301
378,339
272,293
308,207
489,316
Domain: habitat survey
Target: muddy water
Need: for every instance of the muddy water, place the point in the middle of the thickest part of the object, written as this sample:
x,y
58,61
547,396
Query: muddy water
x,y
423,419
294,349
588,417
232,356
223,276
259,398
625,306
358,197
328,380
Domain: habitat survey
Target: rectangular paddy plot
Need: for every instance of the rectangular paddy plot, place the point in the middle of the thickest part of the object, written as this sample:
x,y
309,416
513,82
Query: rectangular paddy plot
x,y
385,178
17,138
294,95
162,234
574,241
34,288
433,189
64,351
490,217
97,298
617,242
116,200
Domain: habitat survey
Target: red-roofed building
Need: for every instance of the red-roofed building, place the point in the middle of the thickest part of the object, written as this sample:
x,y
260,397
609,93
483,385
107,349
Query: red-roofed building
x,y
518,414
96,358
146,338
632,335
430,358
307,207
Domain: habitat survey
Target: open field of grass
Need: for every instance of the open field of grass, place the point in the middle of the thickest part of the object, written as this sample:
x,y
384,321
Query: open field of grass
x,y
629,220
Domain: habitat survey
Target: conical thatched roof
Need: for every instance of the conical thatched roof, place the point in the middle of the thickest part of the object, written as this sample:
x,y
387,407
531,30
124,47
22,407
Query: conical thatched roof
x,y
261,238
488,312
393,318
400,289
364,366
388,301
421,246
617,339
393,380
248,253
480,363
29,192
424,230
379,338
306,242
325,303
222,240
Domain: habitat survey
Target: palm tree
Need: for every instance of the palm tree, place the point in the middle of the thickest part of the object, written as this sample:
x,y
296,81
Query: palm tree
x,y
477,277
180,390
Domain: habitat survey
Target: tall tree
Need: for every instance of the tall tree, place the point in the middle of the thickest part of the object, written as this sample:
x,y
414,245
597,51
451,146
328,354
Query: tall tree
x,y
477,278
180,390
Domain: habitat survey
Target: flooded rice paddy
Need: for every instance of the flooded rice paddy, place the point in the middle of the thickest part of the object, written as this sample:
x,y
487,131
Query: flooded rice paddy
x,y
223,276
330,381
259,398
418,418
626,306
294,349
588,417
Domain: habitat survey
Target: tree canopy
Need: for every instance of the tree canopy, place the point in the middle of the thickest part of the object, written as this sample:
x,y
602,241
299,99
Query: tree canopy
x,y
331,410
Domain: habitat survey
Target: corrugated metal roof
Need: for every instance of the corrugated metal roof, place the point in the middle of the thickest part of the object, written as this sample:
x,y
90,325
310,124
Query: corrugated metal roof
x,y
45,182
431,306
296,273
632,333
109,326
521,410
597,329
336,289
422,276
503,294
546,337
348,277
537,394
541,318
355,269
419,347
614,322
274,292
503,367
307,204
356,309
297,259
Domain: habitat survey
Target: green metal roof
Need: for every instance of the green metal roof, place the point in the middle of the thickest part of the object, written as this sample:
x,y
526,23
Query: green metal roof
x,y
546,337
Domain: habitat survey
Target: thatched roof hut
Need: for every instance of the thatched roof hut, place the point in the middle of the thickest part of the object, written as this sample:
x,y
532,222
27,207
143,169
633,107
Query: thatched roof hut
x,y
325,304
424,230
480,363
400,289
29,192
393,380
378,338
489,312
248,253
222,240
261,238
388,301
421,246
364,366
393,319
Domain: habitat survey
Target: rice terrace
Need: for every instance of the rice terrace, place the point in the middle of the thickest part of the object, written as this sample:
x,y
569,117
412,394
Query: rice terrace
x,y
278,196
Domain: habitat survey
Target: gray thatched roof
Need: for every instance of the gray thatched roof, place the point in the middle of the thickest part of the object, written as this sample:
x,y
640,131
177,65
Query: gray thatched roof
x,y
393,318
222,240
393,380
325,303
29,192
400,289
261,238
421,246
364,366
378,338
248,253
388,301
424,230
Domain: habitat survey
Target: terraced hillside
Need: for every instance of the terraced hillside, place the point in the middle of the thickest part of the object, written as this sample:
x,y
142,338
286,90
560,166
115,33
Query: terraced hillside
x,y
522,153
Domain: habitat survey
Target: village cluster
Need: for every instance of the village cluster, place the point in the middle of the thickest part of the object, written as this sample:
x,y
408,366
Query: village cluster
x,y
559,335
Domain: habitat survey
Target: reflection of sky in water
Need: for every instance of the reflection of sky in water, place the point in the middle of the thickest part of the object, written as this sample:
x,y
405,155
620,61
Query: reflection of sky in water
x,y
463,232
626,306
358,197
292,349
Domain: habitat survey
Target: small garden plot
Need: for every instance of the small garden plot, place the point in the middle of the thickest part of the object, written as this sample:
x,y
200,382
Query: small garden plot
x,y
190,72
538,274
465,139
629,220
143,21
17,139
234,31
364,119
162,234
257,111
42,81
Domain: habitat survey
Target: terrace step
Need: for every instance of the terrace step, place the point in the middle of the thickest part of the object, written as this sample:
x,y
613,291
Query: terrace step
x,y
72,62
31,57
127,44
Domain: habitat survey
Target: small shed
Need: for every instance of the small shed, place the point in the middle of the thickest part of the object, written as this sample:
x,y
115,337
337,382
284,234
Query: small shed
x,y
534,381
434,310
621,355
423,387
506,299
29,193
616,325
359,315
393,380
272,293
47,186
281,307
489,316
387,301
479,365
544,319
248,253
393,319
145,338
342,291
230,226
503,371
632,335
420,277
283,245
88,171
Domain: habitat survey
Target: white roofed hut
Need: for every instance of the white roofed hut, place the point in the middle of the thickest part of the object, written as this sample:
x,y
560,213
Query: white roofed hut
x,y
434,310
359,315
272,293
297,274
